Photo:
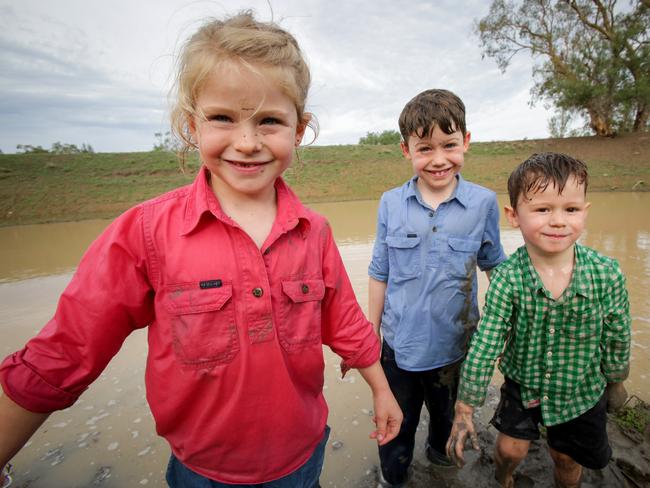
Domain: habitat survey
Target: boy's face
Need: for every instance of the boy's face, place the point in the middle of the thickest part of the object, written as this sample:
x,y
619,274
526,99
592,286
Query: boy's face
x,y
437,158
549,222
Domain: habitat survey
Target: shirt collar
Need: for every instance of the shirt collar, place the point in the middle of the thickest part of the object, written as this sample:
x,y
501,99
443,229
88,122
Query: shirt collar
x,y
580,283
201,200
460,192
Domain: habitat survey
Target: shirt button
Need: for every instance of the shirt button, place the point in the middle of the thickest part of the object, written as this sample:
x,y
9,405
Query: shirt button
x,y
547,375
434,229
552,330
258,292
550,353
545,397
305,288
430,214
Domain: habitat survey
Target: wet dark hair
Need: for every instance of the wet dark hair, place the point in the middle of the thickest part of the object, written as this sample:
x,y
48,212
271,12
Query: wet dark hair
x,y
429,109
543,169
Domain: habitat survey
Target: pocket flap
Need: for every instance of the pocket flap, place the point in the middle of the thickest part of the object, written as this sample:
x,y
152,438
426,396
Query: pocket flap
x,y
187,298
464,245
304,290
402,242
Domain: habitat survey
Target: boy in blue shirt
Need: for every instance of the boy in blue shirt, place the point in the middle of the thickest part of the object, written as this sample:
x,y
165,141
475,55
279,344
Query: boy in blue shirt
x,y
432,232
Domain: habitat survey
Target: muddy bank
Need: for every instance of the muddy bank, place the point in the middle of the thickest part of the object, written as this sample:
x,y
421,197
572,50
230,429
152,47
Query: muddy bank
x,y
628,468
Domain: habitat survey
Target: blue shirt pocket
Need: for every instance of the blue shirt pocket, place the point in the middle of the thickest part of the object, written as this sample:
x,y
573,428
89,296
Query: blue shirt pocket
x,y
460,257
403,256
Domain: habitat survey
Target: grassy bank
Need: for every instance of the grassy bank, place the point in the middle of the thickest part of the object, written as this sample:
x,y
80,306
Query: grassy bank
x,y
49,188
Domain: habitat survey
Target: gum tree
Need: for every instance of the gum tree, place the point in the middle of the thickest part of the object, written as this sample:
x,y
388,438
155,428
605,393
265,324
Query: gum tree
x,y
592,56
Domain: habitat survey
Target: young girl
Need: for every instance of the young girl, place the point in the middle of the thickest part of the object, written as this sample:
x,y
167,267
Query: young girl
x,y
238,283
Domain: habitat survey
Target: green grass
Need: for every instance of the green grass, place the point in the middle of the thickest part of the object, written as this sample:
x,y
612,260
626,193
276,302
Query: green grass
x,y
38,188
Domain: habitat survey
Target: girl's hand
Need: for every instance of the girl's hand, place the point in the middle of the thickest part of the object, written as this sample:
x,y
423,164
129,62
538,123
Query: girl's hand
x,y
388,417
461,431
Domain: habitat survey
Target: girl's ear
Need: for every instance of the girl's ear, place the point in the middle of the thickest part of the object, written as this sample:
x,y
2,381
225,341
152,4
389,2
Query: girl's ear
x,y
302,127
511,215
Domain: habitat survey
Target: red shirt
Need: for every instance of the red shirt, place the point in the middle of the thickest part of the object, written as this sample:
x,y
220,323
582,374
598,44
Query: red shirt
x,y
235,366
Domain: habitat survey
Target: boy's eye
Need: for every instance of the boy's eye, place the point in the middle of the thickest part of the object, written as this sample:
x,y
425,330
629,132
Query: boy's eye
x,y
572,209
450,145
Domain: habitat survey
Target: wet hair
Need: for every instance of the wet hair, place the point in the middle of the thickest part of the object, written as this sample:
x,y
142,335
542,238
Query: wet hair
x,y
543,169
263,47
429,109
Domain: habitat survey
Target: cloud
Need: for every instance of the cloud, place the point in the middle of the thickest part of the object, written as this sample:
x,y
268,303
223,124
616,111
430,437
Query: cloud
x,y
99,73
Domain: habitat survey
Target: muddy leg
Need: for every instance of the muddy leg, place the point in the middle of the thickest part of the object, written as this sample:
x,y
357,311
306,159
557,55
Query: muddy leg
x,y
568,473
509,452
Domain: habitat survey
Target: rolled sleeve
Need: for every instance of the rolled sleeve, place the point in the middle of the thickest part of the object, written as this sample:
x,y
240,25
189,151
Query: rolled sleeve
x,y
345,328
109,296
616,330
491,253
378,268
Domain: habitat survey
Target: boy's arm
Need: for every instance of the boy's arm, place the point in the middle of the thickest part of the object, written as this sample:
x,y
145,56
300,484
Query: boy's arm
x,y
376,297
486,346
388,416
615,340
17,425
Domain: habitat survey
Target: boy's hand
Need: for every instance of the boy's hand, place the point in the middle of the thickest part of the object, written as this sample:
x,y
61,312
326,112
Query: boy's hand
x,y
461,430
388,417
616,396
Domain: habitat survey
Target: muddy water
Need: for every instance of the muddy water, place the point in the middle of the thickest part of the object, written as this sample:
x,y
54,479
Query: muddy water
x,y
108,437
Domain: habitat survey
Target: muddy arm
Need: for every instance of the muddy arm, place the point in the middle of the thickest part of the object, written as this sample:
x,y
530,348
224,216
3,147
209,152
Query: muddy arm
x,y
16,427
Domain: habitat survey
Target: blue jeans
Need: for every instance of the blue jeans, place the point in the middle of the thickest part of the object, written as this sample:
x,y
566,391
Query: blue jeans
x,y
306,476
435,388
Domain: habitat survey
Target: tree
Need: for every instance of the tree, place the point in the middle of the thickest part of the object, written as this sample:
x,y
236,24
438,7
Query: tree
x,y
385,137
165,142
594,58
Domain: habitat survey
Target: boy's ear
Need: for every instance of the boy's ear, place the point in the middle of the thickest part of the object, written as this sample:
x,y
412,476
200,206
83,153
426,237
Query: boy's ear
x,y
511,215
468,136
405,149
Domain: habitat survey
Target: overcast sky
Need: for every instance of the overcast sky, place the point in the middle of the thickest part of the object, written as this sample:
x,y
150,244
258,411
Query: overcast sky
x,y
98,72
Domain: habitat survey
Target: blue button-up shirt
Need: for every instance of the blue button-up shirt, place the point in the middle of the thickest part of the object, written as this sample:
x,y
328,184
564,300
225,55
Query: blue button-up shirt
x,y
428,260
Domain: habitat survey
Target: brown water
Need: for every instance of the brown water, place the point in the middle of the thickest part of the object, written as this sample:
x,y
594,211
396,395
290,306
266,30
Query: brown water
x,y
108,437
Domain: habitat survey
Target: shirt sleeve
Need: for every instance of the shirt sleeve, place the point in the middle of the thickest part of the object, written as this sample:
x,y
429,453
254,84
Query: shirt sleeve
x,y
616,337
344,326
491,252
378,268
108,297
488,342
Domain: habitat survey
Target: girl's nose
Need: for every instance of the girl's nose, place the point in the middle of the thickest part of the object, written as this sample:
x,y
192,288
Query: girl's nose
x,y
247,139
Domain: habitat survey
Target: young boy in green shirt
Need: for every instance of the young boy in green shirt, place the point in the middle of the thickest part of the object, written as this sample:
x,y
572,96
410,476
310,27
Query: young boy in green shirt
x,y
562,312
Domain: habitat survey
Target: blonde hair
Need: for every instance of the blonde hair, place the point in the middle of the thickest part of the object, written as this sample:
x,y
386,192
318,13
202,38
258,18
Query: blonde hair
x,y
249,42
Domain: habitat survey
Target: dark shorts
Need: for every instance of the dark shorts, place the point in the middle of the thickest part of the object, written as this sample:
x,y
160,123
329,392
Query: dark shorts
x,y
584,438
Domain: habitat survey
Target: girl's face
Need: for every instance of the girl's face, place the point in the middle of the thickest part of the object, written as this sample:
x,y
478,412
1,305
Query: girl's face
x,y
246,129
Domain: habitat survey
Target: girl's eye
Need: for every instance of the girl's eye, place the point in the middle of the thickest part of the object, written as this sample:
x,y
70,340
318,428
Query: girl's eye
x,y
219,118
270,121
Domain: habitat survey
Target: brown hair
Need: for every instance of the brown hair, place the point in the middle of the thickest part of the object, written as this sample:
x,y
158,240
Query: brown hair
x,y
254,45
429,109
543,169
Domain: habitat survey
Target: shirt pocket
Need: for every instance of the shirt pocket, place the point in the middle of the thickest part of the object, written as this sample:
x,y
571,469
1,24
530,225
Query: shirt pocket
x,y
460,258
583,320
300,323
203,327
403,256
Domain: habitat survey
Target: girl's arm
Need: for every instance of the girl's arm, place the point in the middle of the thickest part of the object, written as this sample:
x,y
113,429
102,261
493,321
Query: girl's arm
x,y
16,427
388,415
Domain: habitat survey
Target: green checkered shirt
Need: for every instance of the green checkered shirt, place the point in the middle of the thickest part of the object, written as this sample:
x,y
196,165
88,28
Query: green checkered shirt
x,y
562,352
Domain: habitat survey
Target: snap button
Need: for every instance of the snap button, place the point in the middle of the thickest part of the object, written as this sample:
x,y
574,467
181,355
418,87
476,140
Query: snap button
x,y
258,292
305,288
434,229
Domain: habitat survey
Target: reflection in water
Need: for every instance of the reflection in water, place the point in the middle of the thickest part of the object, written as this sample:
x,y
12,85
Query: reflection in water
x,y
108,437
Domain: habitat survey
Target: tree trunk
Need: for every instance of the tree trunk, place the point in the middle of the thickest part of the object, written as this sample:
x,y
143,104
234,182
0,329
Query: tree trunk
x,y
641,119
601,125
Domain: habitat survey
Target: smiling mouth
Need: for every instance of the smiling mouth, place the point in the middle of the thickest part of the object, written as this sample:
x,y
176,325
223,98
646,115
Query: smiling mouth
x,y
440,172
242,164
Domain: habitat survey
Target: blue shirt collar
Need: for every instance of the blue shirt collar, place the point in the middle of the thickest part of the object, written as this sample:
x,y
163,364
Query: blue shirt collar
x,y
460,192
